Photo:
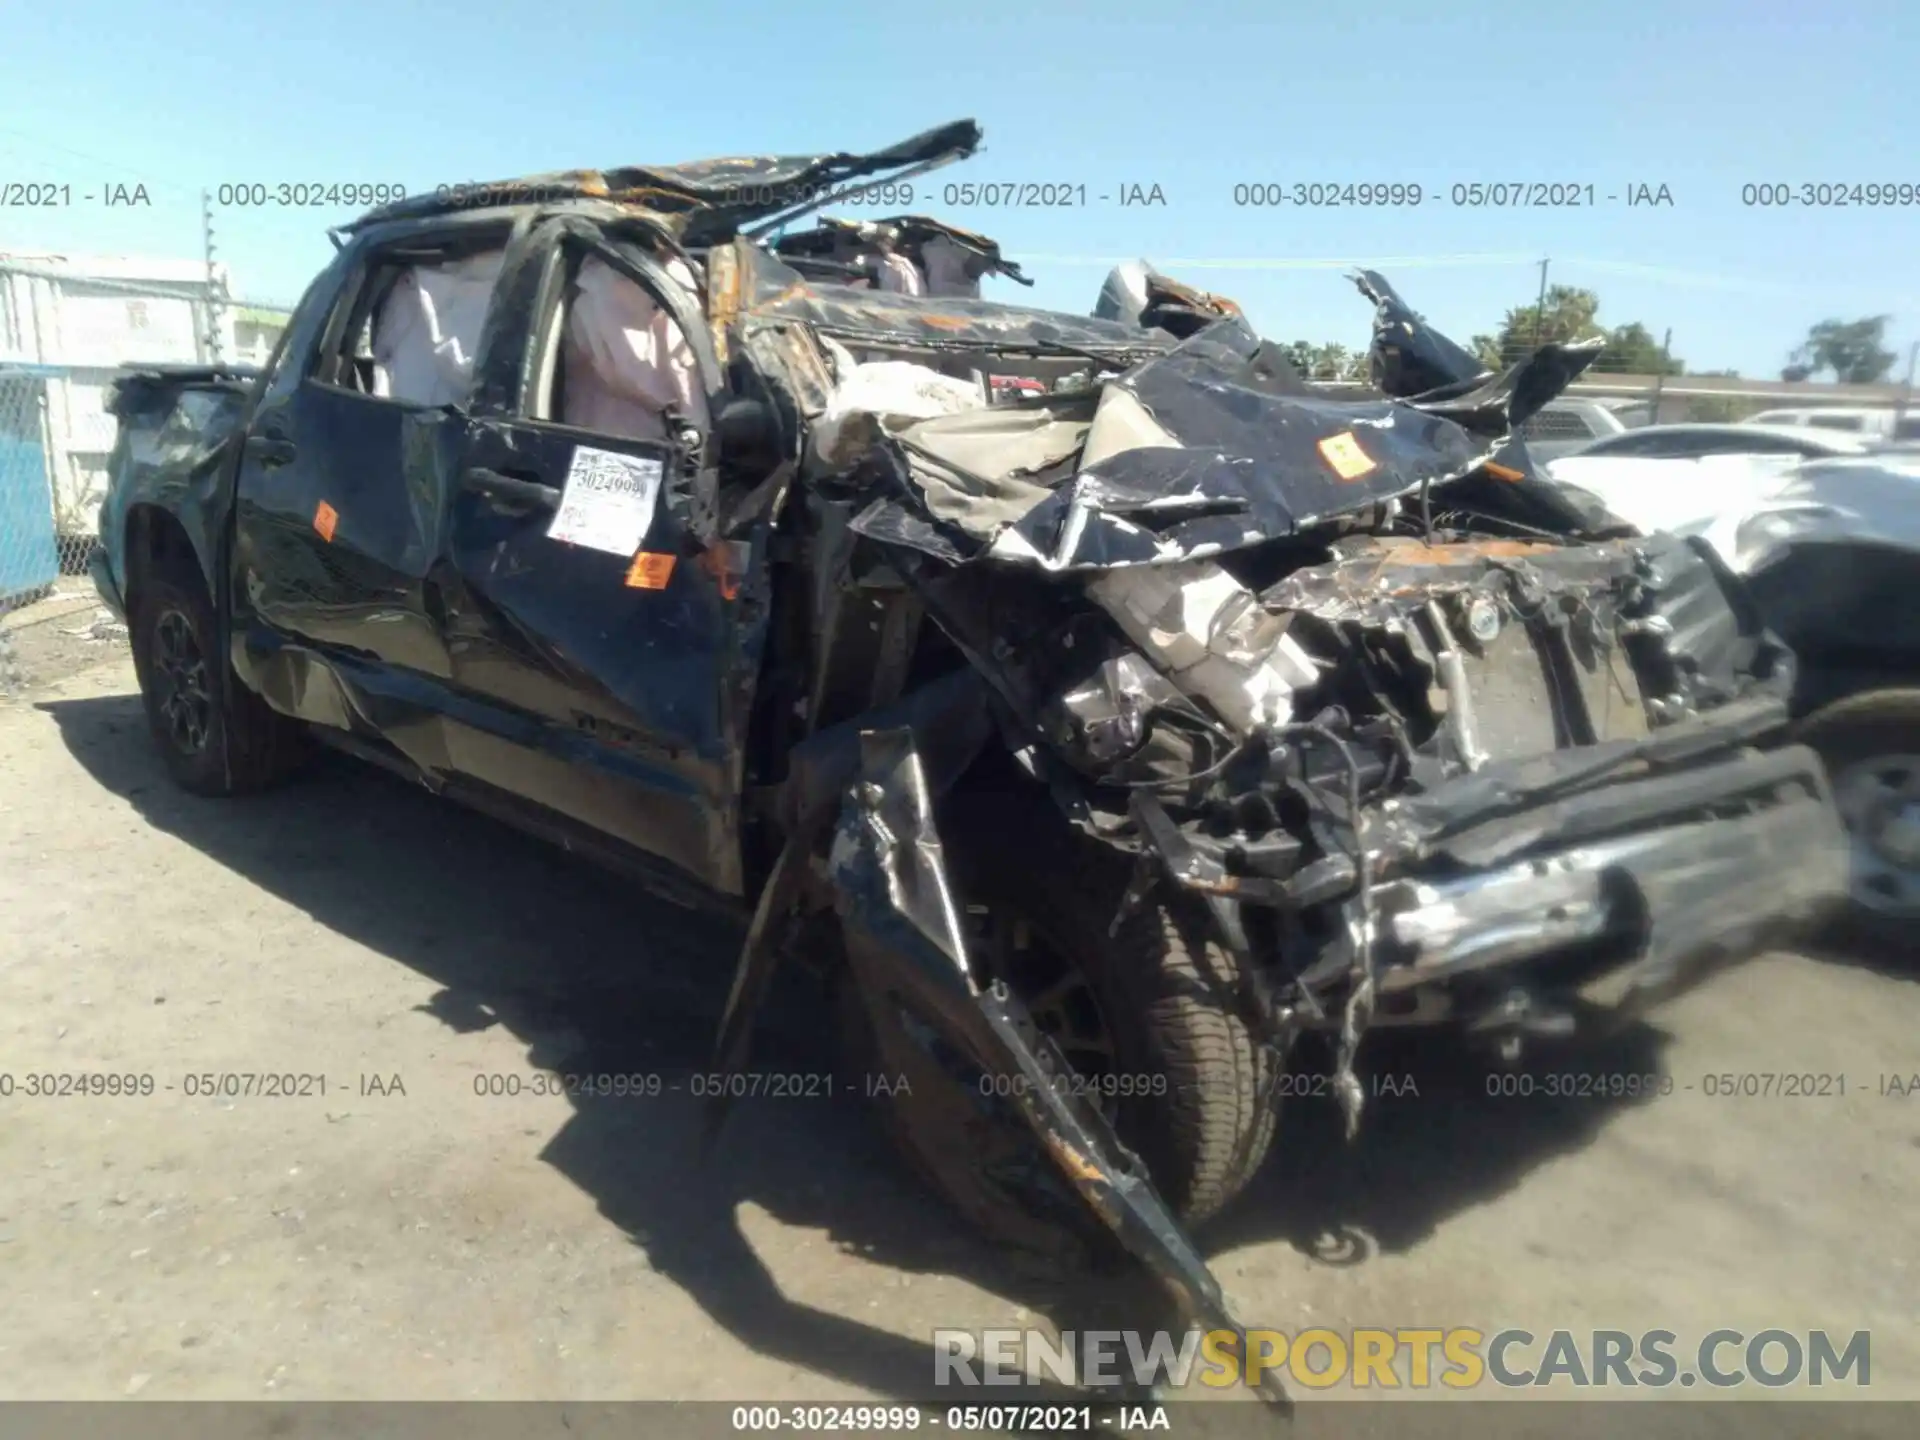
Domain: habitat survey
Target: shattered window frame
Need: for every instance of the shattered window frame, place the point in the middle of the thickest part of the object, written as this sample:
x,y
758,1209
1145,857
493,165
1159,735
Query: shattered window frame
x,y
541,372
375,274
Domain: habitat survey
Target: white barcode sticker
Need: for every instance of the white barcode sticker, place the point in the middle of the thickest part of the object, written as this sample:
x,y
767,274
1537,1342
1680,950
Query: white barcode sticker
x,y
609,501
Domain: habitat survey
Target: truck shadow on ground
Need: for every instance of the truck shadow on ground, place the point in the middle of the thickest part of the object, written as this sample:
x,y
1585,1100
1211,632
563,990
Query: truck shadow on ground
x,y
596,978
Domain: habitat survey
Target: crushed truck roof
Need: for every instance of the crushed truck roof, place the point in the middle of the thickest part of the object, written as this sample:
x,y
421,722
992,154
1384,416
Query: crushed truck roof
x,y
709,199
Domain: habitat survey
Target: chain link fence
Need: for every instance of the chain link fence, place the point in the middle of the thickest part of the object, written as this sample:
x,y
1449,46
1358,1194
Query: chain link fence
x,y
50,621
65,332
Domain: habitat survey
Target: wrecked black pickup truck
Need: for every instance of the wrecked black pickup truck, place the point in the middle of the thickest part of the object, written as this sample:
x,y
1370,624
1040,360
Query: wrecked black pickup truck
x,y
1098,704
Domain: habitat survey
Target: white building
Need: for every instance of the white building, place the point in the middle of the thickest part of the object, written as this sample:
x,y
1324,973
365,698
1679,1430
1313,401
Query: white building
x,y
91,314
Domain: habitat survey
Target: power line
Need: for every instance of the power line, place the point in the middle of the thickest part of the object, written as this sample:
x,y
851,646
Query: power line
x,y
169,186
1272,262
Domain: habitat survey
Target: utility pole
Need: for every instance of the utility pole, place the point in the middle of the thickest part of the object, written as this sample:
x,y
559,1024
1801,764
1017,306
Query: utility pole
x,y
216,287
1659,380
1540,307
1906,389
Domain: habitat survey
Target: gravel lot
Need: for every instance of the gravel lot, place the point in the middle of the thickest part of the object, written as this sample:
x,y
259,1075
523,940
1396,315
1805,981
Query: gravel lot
x,y
435,1243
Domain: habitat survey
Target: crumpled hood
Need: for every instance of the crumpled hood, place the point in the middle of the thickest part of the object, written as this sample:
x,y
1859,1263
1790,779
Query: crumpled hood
x,y
1215,445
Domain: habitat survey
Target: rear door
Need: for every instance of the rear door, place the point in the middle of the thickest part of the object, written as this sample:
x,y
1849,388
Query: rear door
x,y
338,501
585,615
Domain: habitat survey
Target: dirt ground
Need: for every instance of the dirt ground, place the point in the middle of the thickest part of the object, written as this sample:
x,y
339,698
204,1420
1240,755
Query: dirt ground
x,y
403,1236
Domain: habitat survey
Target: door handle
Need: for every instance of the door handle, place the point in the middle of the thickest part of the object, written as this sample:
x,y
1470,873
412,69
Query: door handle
x,y
511,489
271,449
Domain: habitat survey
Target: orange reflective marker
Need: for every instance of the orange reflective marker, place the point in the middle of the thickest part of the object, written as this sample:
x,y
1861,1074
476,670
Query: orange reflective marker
x,y
324,519
650,571
1344,454
717,561
1501,472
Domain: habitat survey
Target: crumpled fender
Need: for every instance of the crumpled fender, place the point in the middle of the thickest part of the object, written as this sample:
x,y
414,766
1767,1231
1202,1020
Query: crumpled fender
x,y
909,957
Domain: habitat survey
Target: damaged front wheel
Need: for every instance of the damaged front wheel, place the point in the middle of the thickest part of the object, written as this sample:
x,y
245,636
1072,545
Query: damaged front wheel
x,y
1149,1017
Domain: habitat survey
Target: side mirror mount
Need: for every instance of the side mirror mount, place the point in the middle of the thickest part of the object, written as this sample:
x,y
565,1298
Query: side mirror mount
x,y
745,430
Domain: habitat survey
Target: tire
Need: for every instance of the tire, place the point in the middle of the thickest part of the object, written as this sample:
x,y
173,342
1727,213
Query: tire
x,y
216,737
1166,993
1870,743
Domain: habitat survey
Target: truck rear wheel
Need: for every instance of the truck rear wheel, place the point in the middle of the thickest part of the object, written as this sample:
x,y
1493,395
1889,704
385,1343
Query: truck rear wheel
x,y
216,737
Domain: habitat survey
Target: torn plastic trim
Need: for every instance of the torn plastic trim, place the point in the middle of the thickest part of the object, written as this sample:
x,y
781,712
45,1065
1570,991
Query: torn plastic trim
x,y
904,932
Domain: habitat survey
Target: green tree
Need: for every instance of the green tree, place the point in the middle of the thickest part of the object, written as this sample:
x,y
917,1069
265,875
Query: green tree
x,y
1570,314
1567,315
1329,361
1850,349
1721,409
1632,350
1299,354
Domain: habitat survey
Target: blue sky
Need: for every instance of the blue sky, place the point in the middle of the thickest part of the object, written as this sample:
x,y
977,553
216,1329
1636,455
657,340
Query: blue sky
x,y
1196,99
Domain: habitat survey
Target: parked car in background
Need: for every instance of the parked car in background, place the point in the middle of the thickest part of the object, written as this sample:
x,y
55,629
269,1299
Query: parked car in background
x,y
1832,556
1561,427
1867,420
1689,442
1830,550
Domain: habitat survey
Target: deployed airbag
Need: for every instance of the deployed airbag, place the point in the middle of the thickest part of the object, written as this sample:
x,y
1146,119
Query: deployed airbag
x,y
426,333
624,361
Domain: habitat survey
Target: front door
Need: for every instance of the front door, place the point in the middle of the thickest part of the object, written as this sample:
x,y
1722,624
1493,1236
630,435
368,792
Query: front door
x,y
583,613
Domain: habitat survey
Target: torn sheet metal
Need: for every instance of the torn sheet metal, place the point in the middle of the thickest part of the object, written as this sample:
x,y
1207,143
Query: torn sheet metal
x,y
714,196
948,723
1408,356
953,260
170,451
1375,580
1412,361
771,292
1213,446
910,957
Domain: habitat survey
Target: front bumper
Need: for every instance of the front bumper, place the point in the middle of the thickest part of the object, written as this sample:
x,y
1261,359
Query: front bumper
x,y
1656,875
